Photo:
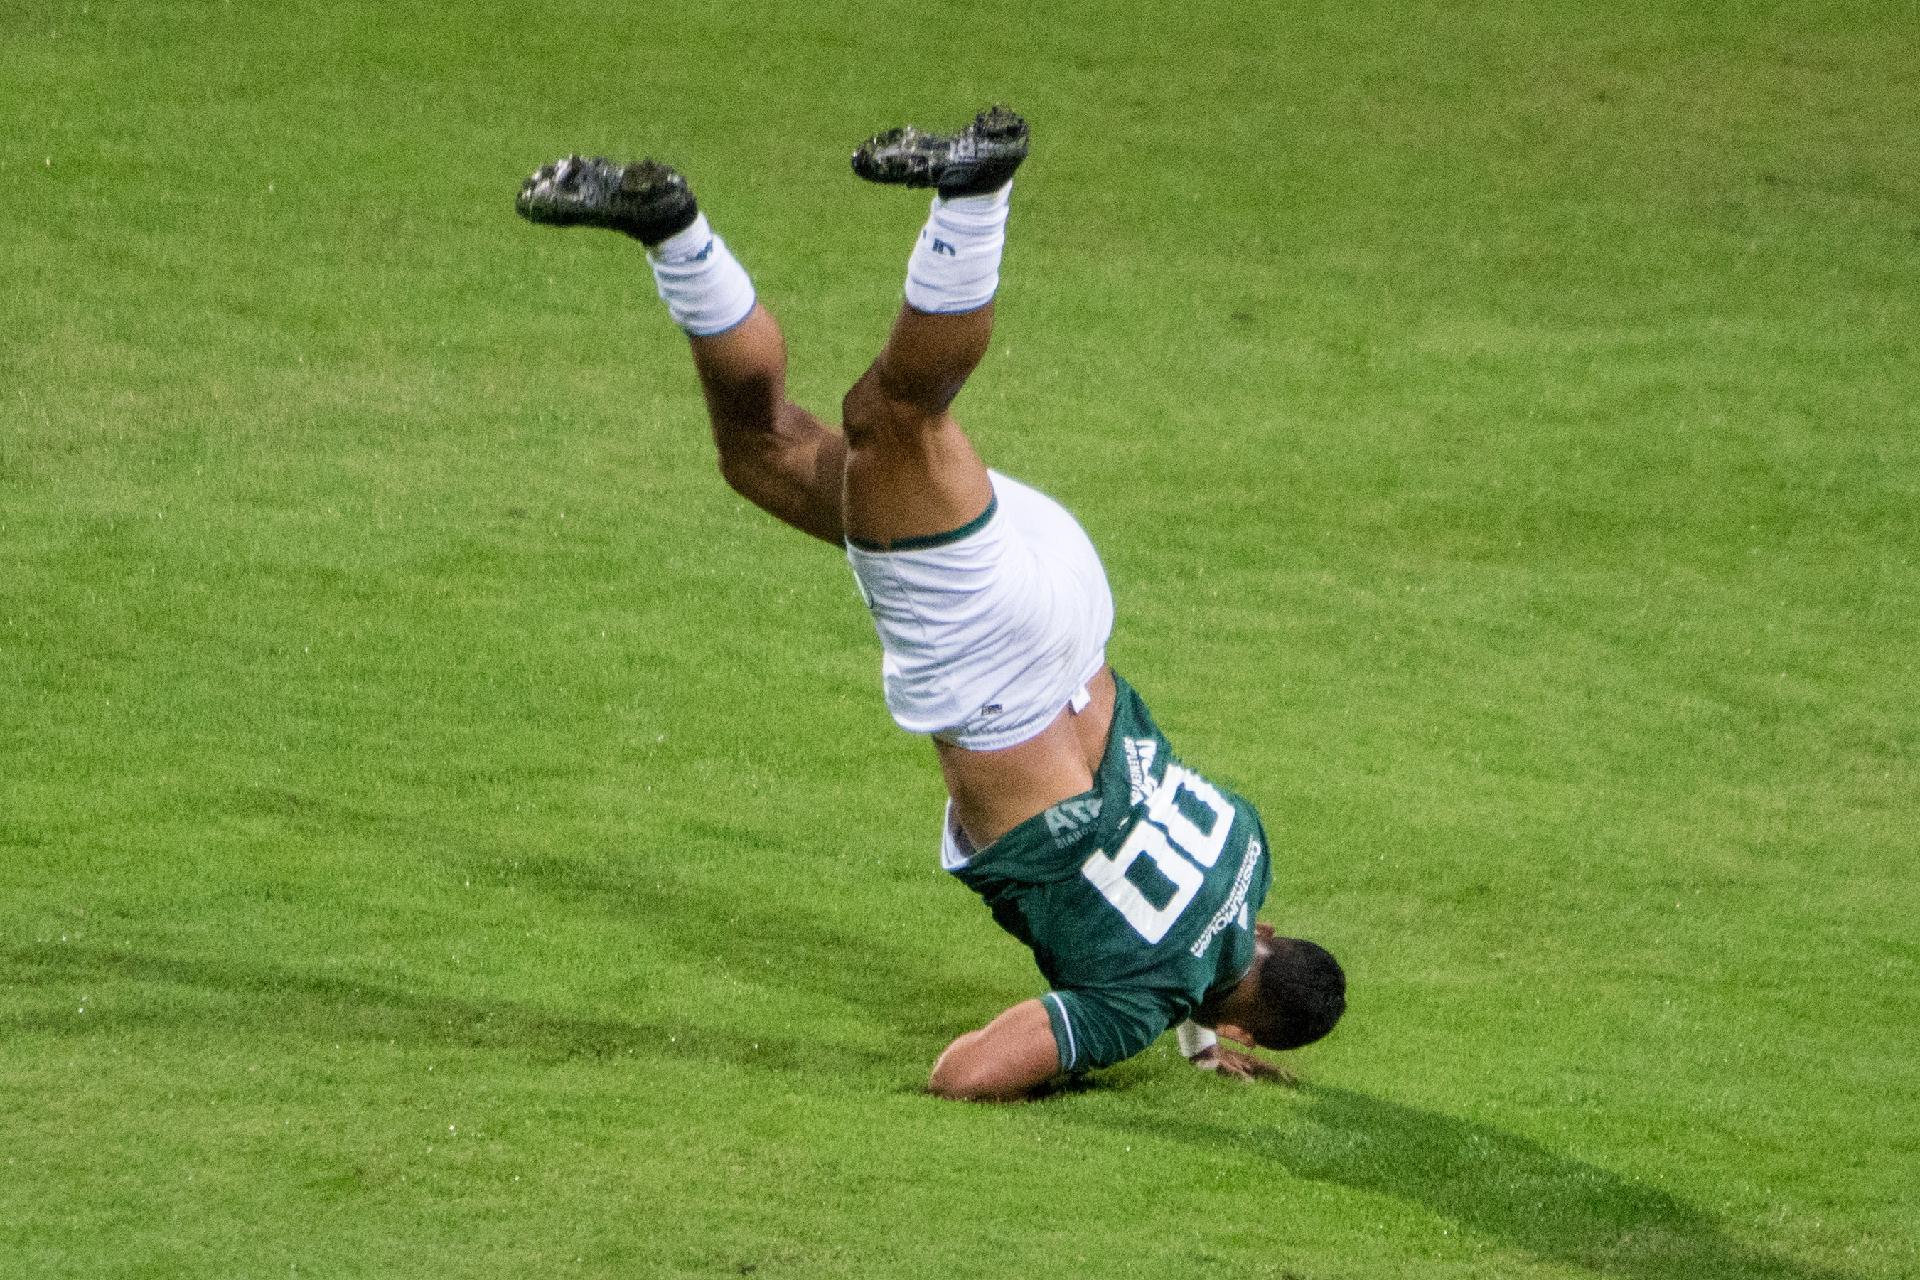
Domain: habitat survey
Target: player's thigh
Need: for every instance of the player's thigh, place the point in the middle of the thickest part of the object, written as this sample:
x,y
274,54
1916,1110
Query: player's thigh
x,y
909,474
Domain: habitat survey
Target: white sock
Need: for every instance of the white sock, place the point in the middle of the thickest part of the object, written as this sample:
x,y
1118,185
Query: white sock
x,y
1194,1038
704,286
956,264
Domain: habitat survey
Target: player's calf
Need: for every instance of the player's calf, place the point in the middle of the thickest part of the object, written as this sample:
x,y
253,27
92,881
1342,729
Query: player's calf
x,y
911,383
770,450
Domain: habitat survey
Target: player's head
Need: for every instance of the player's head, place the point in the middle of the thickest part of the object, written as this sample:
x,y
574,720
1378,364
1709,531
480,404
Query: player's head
x,y
1292,995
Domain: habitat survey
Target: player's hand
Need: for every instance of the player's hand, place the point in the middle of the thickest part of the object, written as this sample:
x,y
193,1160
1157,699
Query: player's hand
x,y
1241,1066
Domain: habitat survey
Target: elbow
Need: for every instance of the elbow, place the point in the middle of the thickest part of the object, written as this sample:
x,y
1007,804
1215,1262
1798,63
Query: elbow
x,y
964,1077
952,1080
741,468
957,1086
1004,1061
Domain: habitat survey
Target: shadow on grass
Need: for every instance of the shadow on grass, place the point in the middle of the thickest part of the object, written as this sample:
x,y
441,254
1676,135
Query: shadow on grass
x,y
786,954
261,999
868,963
1498,1186
778,947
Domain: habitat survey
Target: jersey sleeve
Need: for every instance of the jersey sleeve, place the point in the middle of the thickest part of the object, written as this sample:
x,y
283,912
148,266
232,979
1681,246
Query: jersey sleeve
x,y
1097,1028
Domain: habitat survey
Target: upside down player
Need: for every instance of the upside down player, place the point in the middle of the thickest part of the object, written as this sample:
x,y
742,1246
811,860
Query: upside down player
x,y
1132,878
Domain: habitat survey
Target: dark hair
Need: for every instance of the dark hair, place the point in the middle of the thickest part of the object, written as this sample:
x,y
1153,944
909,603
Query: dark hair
x,y
1301,992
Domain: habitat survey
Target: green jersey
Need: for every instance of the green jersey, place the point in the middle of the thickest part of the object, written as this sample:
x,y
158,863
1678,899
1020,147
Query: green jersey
x,y
1137,897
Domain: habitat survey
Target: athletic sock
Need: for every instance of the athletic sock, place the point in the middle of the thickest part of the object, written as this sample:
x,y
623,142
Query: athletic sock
x,y
704,286
1194,1038
955,266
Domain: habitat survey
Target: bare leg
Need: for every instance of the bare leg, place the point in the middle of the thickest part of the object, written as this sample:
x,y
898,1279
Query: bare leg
x,y
773,452
910,471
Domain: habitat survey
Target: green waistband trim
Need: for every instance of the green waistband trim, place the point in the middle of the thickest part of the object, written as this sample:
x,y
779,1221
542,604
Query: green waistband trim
x,y
922,542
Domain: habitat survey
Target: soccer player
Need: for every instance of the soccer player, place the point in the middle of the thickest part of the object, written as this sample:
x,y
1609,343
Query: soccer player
x,y
1133,879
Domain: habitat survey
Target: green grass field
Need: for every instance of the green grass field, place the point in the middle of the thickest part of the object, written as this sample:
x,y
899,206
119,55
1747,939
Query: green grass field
x,y
445,833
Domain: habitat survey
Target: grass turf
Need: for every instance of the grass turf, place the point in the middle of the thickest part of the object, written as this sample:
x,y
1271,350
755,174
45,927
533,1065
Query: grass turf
x,y
443,832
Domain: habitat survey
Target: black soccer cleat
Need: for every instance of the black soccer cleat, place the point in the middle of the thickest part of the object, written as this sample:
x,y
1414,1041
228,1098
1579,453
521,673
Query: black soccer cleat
x,y
978,159
647,200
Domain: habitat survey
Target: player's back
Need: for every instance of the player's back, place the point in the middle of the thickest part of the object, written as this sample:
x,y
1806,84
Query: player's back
x,y
1136,896
995,791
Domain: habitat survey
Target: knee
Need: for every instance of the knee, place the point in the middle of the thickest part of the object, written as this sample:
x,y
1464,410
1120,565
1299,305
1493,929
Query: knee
x,y
872,411
738,466
749,457
743,410
739,439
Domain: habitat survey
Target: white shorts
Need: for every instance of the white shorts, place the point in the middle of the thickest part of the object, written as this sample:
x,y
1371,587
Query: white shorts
x,y
989,631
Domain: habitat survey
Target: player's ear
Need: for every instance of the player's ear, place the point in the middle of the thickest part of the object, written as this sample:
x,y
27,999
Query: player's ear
x,y
1261,929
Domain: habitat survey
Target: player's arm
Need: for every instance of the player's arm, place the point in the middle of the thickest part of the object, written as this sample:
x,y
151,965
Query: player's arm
x,y
1201,1046
1004,1061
